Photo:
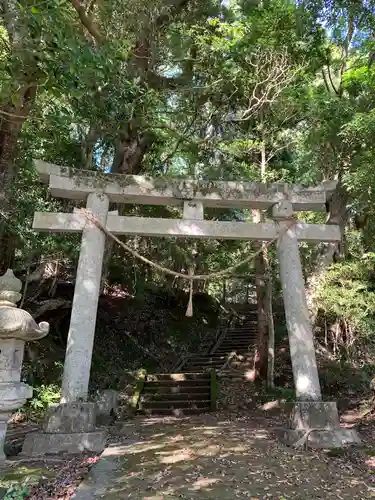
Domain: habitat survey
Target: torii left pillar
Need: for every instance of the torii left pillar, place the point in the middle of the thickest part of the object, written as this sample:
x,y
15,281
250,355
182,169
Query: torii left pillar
x,y
72,426
85,303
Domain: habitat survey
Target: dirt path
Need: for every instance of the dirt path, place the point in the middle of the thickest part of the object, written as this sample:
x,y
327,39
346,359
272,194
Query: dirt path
x,y
216,458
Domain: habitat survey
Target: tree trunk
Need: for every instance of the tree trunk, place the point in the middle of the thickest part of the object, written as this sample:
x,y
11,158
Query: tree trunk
x,y
130,149
10,128
264,311
331,252
8,142
260,359
108,250
271,336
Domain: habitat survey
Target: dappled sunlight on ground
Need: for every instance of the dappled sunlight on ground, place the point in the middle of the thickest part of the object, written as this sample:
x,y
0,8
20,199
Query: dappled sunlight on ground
x,y
201,458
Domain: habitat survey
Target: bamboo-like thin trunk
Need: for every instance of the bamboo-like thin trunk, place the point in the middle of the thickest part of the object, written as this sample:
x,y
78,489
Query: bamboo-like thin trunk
x,y
266,339
271,335
260,360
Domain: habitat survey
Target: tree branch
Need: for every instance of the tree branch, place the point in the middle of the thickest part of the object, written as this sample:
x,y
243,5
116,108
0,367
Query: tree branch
x,y
175,6
87,21
325,80
330,79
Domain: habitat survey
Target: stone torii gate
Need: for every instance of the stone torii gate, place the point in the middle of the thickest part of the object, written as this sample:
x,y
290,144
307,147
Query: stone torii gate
x,y
282,201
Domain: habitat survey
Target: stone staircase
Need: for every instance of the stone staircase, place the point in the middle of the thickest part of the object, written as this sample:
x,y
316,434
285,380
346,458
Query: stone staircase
x,y
238,340
194,389
178,394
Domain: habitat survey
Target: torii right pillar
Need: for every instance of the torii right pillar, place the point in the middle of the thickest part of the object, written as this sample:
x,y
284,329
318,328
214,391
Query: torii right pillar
x,y
314,420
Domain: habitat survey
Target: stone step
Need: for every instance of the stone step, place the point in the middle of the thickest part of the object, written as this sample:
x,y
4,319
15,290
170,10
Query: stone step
x,y
250,331
175,377
176,389
175,412
193,362
207,357
244,324
205,368
245,331
249,323
177,397
199,365
239,340
153,386
245,338
220,359
235,344
235,340
208,364
229,349
176,404
211,364
240,335
236,335
244,328
238,351
210,356
234,374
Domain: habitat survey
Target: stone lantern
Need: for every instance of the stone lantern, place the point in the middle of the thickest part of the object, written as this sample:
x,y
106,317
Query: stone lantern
x,y
16,327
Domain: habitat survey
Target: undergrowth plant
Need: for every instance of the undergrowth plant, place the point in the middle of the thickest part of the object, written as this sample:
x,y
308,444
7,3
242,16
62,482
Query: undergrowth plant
x,y
16,492
345,298
43,396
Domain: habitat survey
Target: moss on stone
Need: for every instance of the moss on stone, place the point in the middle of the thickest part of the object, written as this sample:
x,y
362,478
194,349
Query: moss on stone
x,y
27,476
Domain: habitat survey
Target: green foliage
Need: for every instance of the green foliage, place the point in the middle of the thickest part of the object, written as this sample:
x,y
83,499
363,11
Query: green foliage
x,y
347,290
43,396
16,492
239,91
282,393
348,376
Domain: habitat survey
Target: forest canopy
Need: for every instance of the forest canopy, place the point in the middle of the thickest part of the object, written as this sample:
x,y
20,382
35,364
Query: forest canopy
x,y
272,91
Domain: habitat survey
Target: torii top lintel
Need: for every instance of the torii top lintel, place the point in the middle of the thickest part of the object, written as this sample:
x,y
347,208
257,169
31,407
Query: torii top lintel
x,y
65,182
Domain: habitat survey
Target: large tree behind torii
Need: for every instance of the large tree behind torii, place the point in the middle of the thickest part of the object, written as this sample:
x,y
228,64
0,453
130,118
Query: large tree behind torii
x,y
81,51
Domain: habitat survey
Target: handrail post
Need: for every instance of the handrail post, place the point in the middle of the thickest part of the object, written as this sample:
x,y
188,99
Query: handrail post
x,y
139,385
213,390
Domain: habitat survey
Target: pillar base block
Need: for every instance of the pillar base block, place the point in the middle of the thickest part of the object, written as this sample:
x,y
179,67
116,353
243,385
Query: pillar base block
x,y
42,443
322,439
318,423
69,418
69,428
312,414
